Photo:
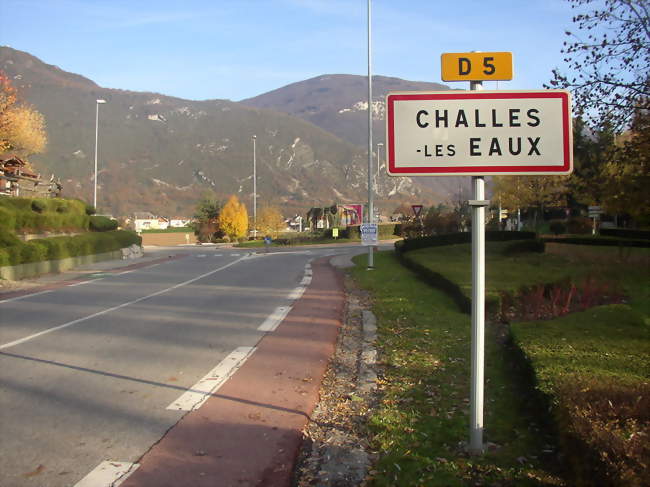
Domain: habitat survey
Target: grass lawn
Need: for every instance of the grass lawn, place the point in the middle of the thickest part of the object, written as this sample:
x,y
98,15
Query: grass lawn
x,y
593,366
423,416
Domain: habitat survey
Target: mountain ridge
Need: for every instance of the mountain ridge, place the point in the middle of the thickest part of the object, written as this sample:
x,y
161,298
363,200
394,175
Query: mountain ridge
x,y
159,153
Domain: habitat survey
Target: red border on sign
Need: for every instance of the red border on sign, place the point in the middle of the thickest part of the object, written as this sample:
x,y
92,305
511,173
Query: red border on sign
x,y
470,169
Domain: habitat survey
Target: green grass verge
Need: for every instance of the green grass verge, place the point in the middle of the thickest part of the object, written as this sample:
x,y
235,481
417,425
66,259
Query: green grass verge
x,y
423,343
592,367
608,342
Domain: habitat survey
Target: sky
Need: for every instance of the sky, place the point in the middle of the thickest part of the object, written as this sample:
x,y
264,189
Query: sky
x,y
236,49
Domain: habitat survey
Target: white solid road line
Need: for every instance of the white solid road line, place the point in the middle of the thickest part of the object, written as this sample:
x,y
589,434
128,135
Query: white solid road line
x,y
114,308
81,283
108,474
208,385
18,298
275,318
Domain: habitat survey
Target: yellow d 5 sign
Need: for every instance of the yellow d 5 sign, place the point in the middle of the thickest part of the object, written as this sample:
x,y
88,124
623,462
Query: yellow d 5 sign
x,y
477,66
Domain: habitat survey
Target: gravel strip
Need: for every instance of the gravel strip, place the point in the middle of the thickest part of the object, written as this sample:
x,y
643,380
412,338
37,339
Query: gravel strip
x,y
335,450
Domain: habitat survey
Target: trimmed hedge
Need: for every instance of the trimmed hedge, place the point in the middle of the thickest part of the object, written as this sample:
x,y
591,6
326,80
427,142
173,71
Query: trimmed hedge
x,y
459,238
37,215
17,252
600,241
625,233
102,224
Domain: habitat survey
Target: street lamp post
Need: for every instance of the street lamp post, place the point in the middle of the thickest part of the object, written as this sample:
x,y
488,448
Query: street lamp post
x,y
371,209
379,146
254,137
98,102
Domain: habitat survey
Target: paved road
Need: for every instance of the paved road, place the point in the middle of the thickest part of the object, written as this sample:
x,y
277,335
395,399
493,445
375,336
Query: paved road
x,y
97,371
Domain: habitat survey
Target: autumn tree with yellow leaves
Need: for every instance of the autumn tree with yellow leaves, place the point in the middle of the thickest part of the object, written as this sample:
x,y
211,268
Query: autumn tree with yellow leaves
x,y
22,128
270,221
233,219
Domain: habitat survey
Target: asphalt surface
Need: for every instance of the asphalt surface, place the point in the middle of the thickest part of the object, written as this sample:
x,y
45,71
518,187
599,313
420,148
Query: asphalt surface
x,y
90,363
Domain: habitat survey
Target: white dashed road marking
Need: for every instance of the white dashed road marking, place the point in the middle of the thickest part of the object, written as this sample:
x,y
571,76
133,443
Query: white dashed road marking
x,y
208,385
108,474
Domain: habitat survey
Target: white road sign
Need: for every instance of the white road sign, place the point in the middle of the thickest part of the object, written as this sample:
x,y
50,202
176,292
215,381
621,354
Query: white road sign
x,y
369,234
453,133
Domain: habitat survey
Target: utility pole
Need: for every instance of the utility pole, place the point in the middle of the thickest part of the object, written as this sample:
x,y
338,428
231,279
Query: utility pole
x,y
371,209
254,137
97,103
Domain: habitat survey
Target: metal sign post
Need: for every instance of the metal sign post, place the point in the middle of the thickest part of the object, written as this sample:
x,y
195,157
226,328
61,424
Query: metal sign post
x,y
478,204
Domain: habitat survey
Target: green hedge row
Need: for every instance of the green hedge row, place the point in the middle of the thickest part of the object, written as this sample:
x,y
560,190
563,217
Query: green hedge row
x,y
102,224
459,238
37,215
14,251
600,241
625,233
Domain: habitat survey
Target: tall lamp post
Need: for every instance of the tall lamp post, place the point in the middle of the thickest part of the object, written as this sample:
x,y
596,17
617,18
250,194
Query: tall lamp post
x,y
254,137
371,210
98,102
379,146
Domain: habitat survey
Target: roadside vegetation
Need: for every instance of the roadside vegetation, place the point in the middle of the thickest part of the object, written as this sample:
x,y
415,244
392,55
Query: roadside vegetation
x,y
567,394
87,233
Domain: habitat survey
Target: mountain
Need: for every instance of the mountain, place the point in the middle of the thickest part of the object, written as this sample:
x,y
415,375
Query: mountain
x,y
159,153
338,103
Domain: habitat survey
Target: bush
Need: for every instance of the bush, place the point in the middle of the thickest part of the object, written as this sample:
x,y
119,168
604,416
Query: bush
x,y
61,206
625,233
102,224
90,210
27,215
604,430
16,252
459,238
579,225
39,206
600,241
557,227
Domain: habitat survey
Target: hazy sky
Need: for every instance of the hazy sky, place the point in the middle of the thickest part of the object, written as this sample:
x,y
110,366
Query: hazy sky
x,y
236,49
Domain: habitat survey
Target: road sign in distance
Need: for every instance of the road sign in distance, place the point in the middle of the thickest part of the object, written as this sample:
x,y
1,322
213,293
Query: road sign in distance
x,y
417,209
595,211
476,66
455,133
369,233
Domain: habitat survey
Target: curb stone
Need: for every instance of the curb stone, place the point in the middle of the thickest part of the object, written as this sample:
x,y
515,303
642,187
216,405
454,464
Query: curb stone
x,y
367,381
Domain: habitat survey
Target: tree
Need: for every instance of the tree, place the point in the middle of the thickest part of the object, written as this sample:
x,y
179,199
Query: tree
x,y
628,173
609,60
591,152
22,128
441,219
233,219
535,192
270,221
206,218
